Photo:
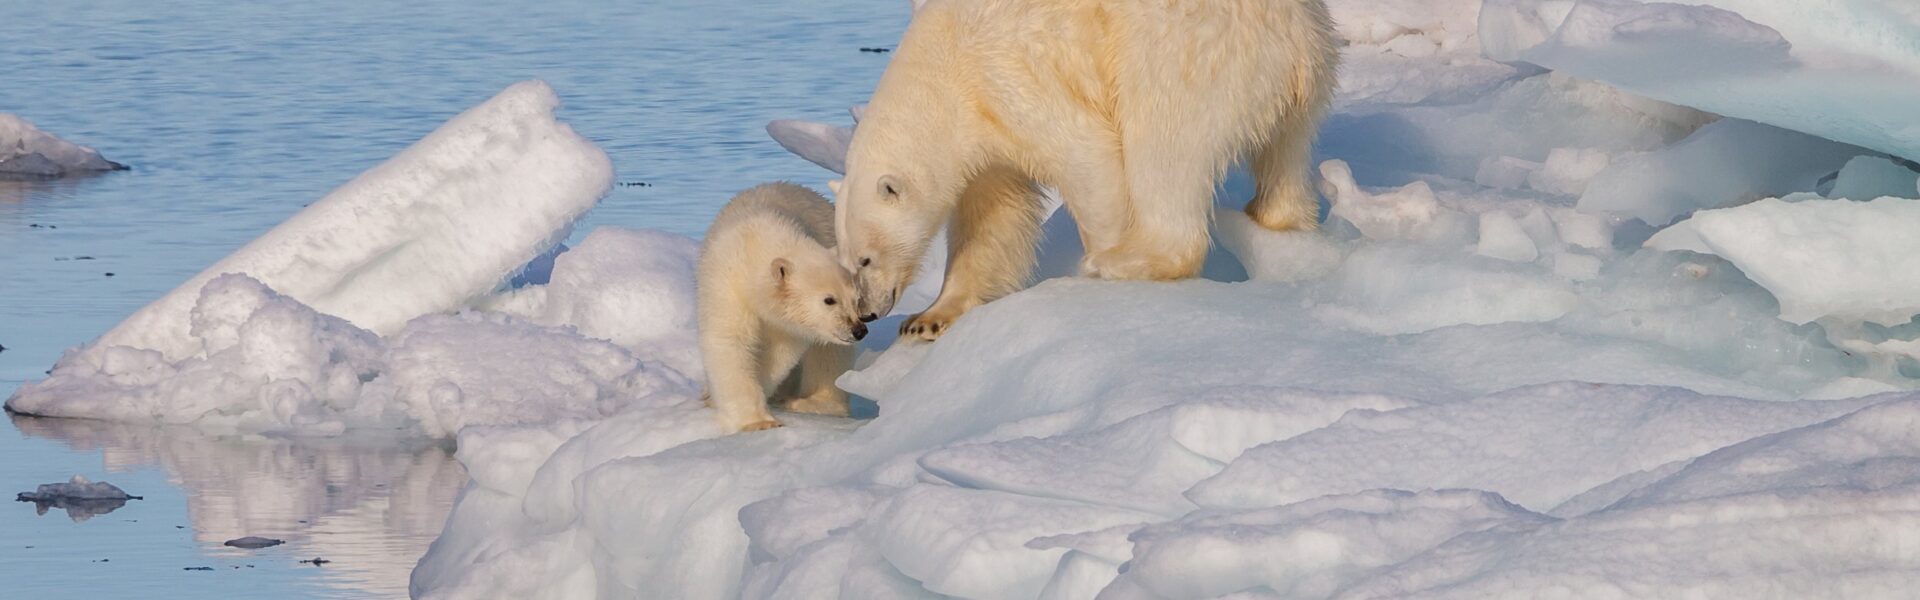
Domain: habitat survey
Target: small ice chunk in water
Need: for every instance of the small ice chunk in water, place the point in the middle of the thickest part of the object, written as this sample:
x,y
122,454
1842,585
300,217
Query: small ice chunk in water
x,y
81,499
77,488
254,542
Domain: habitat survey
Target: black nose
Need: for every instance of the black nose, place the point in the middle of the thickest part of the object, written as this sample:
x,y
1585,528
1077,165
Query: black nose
x,y
869,318
859,331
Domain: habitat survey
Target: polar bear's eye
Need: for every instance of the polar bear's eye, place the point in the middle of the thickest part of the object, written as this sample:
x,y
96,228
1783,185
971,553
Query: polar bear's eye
x,y
830,301
866,261
890,191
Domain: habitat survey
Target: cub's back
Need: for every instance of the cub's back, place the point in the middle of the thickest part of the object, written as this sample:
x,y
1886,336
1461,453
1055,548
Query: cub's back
x,y
779,205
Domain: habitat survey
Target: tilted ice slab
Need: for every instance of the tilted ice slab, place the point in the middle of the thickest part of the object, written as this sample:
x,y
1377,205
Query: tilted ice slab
x,y
27,151
439,224
1837,259
1840,69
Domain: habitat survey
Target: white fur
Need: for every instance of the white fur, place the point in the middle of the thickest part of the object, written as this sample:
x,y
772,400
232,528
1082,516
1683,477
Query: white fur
x,y
1133,109
766,270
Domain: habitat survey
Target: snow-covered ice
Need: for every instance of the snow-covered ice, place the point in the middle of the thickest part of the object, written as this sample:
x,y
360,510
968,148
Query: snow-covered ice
x,y
1552,336
26,151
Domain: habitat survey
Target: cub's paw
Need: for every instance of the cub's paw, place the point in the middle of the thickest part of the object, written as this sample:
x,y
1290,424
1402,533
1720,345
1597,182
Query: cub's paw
x,y
762,425
928,326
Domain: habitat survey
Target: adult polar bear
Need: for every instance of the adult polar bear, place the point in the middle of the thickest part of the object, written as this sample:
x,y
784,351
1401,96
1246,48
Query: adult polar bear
x,y
1133,109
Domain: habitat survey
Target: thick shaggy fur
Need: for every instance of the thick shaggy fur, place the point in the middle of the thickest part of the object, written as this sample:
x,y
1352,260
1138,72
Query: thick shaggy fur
x,y
772,298
1133,109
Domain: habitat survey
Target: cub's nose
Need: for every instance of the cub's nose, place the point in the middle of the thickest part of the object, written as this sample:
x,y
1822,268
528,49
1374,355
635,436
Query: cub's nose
x,y
869,318
859,331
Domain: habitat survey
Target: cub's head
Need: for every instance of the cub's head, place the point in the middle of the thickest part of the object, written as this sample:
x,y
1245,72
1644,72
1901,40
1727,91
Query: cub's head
x,y
816,298
883,225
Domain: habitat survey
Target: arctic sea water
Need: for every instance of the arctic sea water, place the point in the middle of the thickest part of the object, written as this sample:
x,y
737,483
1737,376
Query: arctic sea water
x,y
233,117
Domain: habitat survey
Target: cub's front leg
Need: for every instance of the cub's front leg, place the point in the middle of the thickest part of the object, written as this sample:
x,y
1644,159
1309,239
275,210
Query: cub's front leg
x,y
734,388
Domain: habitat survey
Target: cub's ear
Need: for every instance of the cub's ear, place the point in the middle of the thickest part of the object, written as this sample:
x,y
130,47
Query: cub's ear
x,y
889,187
780,269
833,185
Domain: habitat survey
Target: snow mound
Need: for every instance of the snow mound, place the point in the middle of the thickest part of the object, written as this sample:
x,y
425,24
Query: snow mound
x,y
1832,69
440,224
631,287
264,362
26,151
1823,259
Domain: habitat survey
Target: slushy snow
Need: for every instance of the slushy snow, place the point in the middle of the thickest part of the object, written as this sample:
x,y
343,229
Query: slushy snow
x,y
26,151
1552,338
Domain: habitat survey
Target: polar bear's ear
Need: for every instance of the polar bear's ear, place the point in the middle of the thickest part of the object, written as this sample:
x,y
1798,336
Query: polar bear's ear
x,y
780,269
889,187
917,4
834,186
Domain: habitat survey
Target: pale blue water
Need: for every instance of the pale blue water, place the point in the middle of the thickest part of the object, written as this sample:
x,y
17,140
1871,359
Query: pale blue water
x,y
234,115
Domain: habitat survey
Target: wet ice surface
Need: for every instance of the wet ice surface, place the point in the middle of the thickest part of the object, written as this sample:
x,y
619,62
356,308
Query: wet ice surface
x,y
234,117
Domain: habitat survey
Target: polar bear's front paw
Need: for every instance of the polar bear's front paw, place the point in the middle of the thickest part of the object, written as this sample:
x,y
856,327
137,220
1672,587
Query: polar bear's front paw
x,y
763,425
928,326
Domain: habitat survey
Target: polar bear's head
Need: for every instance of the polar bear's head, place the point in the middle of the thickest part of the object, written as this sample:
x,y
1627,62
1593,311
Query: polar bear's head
x,y
882,237
815,298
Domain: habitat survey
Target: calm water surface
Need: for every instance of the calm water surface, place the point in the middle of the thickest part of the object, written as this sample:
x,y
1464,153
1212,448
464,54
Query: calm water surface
x,y
234,115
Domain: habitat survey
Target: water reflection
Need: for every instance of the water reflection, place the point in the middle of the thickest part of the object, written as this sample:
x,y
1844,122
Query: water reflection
x,y
17,190
370,506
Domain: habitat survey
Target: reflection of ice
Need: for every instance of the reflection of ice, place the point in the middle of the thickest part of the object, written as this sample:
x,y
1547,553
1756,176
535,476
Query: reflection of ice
x,y
82,499
369,505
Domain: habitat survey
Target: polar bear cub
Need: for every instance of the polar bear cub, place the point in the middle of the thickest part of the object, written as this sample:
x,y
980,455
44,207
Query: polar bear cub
x,y
772,297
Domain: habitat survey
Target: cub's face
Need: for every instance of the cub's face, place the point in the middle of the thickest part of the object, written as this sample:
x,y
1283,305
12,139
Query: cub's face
x,y
882,235
816,298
